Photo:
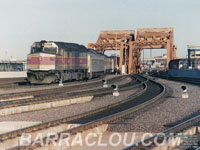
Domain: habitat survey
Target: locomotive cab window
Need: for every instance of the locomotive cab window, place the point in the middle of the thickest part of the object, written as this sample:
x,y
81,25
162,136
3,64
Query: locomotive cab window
x,y
36,50
50,50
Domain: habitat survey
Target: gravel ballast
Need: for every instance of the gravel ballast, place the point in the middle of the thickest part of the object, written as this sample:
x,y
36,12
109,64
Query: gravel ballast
x,y
170,109
65,111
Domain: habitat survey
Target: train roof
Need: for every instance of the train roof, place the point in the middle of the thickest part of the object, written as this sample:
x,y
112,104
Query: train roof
x,y
95,52
76,46
70,45
177,60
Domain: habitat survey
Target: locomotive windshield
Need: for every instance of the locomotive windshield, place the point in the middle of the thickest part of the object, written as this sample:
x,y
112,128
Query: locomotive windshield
x,y
36,47
36,50
44,47
50,50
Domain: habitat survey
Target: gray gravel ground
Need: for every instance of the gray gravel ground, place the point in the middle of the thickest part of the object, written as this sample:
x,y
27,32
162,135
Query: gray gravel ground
x,y
60,112
173,108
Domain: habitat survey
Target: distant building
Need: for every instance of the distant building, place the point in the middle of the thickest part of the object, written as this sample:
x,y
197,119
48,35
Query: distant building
x,y
158,62
193,56
12,65
193,51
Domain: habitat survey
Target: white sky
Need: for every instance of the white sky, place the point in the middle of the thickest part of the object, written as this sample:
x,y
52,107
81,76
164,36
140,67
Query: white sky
x,y
24,21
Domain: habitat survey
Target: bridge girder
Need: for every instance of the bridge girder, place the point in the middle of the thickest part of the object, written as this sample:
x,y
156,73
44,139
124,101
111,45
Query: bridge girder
x,y
130,49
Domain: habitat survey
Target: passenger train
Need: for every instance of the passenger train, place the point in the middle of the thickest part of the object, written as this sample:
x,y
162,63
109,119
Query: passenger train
x,y
50,62
189,68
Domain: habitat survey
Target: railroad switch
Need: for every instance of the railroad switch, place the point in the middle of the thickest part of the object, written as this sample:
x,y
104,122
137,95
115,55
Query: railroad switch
x,y
105,83
116,90
185,94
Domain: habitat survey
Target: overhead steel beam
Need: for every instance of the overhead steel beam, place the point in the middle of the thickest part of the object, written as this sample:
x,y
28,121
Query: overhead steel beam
x,y
130,49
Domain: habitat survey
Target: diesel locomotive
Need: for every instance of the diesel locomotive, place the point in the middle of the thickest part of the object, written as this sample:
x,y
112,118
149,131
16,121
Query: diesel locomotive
x,y
50,62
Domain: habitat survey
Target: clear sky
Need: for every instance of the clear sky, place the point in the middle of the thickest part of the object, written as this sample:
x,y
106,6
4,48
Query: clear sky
x,y
24,21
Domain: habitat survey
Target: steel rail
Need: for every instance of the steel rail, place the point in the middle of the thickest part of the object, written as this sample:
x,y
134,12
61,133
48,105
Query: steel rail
x,y
59,121
45,92
93,123
64,96
10,82
175,129
24,84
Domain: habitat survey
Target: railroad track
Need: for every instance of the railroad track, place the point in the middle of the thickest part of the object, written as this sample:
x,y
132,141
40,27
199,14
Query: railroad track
x,y
10,82
22,83
61,98
172,132
56,90
151,92
193,81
